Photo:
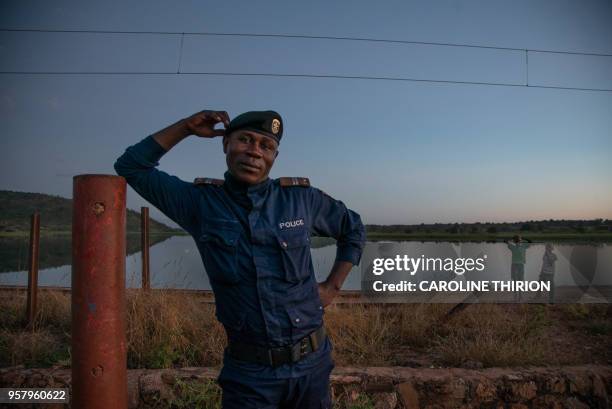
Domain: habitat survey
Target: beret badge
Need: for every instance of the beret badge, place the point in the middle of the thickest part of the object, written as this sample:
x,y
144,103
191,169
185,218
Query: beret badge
x,y
275,126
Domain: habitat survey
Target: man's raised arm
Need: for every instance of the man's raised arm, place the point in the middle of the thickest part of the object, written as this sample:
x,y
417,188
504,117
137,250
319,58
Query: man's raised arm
x,y
201,124
174,197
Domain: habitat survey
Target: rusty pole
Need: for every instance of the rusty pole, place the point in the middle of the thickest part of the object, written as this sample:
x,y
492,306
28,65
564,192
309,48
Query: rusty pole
x,y
144,242
99,354
31,306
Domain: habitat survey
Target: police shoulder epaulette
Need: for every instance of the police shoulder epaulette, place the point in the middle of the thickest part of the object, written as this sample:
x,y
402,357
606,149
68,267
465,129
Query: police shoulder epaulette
x,y
284,182
208,181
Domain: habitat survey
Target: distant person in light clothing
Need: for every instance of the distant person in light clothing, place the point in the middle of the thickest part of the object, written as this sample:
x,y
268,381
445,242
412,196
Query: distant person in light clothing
x,y
518,248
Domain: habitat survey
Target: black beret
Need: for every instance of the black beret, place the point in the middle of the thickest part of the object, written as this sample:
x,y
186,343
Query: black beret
x,y
268,123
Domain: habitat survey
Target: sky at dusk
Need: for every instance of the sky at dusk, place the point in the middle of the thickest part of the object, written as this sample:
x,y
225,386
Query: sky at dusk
x,y
395,151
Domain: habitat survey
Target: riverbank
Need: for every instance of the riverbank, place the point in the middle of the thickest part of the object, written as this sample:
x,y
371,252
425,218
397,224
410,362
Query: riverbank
x,y
600,237
68,233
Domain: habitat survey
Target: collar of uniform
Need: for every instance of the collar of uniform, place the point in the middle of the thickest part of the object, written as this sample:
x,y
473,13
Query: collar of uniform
x,y
237,186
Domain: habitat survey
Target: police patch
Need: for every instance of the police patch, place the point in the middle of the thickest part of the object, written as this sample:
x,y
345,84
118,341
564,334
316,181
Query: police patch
x,y
291,224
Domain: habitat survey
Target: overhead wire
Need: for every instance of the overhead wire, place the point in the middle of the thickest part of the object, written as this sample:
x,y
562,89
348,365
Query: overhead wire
x,y
332,76
365,39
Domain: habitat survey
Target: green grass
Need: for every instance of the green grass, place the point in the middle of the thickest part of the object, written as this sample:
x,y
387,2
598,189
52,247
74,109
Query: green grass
x,y
200,394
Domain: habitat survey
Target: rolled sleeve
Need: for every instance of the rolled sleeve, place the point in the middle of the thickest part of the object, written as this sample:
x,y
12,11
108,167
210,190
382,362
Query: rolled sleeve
x,y
331,218
349,253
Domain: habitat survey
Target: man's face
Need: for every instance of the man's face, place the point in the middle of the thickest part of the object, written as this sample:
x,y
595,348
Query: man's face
x,y
249,155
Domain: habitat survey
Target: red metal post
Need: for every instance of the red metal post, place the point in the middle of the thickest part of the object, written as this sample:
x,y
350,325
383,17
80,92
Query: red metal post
x,y
31,306
144,242
99,353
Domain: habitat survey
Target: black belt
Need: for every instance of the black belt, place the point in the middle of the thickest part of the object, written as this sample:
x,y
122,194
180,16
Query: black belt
x,y
278,356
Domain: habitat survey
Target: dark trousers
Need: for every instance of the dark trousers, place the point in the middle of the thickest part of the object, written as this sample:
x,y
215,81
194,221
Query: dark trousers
x,y
307,392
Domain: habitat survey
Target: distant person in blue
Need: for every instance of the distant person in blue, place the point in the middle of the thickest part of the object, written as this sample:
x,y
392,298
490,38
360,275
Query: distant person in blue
x,y
518,248
253,234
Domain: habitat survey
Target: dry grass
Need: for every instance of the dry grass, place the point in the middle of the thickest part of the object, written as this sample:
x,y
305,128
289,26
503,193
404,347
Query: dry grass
x,y
360,334
168,329
485,334
164,329
54,311
369,334
489,334
418,322
40,347
47,342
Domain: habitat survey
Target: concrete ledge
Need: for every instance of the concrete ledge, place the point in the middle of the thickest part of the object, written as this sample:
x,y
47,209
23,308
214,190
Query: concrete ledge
x,y
576,387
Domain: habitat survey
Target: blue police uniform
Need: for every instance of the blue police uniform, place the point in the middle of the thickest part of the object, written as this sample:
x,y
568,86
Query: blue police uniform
x,y
255,244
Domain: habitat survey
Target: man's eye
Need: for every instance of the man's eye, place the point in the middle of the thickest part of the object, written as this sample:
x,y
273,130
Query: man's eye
x,y
244,138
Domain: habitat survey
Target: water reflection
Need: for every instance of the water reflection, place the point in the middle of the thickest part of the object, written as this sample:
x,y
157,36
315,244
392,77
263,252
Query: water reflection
x,y
55,251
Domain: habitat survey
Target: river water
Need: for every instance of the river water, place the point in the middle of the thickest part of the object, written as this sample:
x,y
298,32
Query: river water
x,y
176,263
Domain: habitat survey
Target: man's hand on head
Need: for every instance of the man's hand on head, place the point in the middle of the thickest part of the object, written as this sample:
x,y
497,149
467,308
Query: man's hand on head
x,y
203,123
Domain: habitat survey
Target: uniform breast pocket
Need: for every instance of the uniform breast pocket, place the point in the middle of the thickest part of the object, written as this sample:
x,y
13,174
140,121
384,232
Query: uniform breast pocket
x,y
219,242
295,254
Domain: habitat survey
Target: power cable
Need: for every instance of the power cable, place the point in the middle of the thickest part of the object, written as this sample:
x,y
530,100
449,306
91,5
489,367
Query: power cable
x,y
309,76
365,39
182,34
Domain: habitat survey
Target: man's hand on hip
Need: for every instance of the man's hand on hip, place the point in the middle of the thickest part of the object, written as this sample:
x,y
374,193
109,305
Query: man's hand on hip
x,y
327,293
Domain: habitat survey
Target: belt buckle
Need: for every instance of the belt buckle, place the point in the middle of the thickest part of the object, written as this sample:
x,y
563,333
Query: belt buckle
x,y
278,356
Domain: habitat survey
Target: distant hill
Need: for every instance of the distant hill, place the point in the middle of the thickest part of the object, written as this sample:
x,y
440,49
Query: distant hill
x,y
55,214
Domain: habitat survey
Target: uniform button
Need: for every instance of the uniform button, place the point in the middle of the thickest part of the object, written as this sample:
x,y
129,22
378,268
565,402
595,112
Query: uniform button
x,y
297,320
284,244
320,307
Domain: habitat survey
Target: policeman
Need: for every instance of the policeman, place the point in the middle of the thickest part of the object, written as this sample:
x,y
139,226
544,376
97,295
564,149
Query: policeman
x,y
253,234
